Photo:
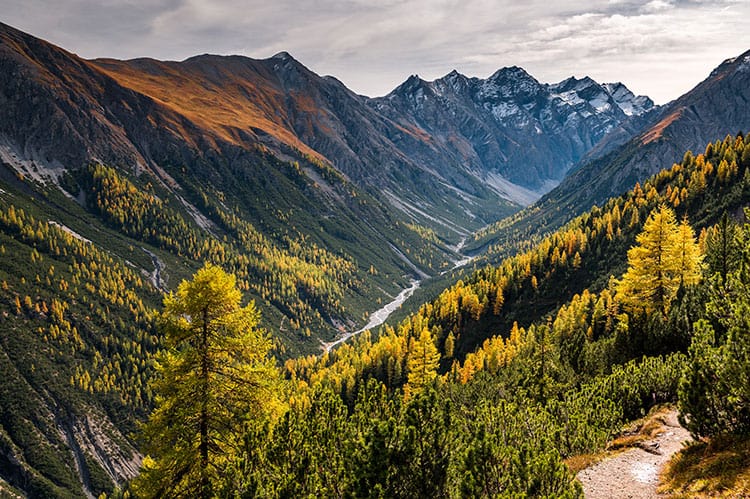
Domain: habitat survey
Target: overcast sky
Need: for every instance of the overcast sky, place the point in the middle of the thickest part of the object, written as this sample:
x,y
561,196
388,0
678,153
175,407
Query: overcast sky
x,y
661,48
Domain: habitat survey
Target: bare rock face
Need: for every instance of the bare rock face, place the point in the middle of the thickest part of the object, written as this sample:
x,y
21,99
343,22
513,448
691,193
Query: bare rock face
x,y
510,124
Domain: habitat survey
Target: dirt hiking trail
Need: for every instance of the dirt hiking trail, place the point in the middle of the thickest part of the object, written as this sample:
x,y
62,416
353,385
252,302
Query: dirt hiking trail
x,y
634,473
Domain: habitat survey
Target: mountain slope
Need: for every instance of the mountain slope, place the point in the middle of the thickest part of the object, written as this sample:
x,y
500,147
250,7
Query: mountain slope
x,y
189,184
718,106
475,322
279,103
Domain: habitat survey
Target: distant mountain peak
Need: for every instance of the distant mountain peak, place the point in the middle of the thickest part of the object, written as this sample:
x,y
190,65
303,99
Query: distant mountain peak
x,y
573,83
510,82
453,80
577,91
511,73
631,104
739,63
411,85
283,55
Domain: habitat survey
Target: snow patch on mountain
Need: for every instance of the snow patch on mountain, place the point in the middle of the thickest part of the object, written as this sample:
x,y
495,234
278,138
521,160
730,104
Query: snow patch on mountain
x,y
630,104
503,110
571,97
601,103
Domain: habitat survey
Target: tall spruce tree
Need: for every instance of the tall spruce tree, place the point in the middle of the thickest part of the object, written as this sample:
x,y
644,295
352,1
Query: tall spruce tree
x,y
715,388
214,379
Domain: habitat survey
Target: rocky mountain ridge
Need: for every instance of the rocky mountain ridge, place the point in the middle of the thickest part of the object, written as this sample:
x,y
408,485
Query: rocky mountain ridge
x,y
633,151
460,167
494,125
716,107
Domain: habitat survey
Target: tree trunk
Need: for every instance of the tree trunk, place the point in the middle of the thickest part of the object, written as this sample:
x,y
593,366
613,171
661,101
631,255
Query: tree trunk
x,y
205,484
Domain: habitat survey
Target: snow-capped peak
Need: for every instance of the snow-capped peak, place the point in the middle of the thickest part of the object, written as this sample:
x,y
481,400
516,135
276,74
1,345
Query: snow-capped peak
x,y
627,101
601,97
509,82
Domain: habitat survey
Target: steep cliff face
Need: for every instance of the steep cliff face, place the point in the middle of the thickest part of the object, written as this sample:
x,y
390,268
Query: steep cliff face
x,y
510,126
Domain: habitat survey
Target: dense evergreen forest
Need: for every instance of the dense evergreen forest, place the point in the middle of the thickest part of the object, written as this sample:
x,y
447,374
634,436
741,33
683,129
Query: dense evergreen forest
x,y
485,391
626,308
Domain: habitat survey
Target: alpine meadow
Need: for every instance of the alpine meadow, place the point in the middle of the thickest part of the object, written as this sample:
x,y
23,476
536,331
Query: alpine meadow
x,y
230,277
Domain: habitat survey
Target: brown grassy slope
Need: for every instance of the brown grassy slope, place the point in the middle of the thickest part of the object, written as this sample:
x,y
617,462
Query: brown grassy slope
x,y
716,468
226,95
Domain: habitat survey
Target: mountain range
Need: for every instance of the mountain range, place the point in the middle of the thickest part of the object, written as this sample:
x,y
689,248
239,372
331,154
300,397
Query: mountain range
x,y
119,178
716,107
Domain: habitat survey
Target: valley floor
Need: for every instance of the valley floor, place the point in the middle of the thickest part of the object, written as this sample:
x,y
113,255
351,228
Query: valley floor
x,y
634,473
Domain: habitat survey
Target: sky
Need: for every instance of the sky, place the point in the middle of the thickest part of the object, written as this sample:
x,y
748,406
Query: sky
x,y
660,48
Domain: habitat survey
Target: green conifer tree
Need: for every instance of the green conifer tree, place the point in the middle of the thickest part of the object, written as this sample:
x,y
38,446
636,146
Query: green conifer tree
x,y
215,377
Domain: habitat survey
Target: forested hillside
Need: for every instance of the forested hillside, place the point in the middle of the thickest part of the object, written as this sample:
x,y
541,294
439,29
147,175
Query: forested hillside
x,y
581,256
180,242
420,412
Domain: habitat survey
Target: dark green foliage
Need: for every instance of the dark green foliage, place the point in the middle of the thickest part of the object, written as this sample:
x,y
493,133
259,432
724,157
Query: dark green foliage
x,y
443,443
715,390
502,458
419,459
99,482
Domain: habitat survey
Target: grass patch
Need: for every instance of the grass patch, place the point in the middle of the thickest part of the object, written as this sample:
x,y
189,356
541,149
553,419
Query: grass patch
x,y
719,467
583,461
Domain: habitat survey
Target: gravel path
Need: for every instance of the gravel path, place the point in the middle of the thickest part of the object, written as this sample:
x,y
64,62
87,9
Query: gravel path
x,y
634,473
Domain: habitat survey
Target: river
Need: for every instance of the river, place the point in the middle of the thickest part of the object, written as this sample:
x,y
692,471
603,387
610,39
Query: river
x,y
379,316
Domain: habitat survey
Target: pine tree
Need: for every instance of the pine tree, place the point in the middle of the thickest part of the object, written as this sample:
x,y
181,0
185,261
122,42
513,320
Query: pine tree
x,y
215,377
715,389
721,247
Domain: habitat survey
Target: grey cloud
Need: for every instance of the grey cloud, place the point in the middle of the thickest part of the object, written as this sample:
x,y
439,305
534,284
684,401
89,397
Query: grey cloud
x,y
373,46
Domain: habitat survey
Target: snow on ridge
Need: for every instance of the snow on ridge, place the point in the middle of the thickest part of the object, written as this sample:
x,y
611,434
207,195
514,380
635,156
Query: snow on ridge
x,y
600,102
504,110
626,100
570,97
